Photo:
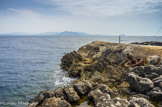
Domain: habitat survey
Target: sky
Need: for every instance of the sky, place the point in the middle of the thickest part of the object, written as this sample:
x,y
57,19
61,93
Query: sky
x,y
108,17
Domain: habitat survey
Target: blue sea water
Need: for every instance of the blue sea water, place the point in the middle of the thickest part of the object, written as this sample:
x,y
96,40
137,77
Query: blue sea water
x,y
31,64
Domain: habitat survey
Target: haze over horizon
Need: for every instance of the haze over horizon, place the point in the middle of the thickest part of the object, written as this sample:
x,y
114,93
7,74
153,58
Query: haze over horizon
x,y
111,17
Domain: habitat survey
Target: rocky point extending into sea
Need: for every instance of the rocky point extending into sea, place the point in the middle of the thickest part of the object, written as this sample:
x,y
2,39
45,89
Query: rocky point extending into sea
x,y
108,75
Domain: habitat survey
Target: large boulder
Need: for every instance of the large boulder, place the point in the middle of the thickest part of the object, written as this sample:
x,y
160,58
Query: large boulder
x,y
139,102
59,93
55,102
82,88
103,99
72,96
40,97
100,99
139,84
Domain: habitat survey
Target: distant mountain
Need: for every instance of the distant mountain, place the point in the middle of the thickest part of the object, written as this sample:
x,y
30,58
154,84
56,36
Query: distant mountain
x,y
69,33
65,33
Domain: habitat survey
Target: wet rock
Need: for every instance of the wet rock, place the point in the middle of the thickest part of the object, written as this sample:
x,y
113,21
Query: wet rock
x,y
41,96
139,102
100,99
155,95
139,84
55,102
153,60
157,80
82,88
72,96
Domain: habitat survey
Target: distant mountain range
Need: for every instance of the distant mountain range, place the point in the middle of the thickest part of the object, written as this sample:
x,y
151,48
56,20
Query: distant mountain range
x,y
65,33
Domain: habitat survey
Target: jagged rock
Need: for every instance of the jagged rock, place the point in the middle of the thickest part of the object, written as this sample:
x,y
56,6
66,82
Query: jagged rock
x,y
55,102
41,96
139,84
59,93
155,95
82,88
72,96
118,102
139,102
68,59
100,99
153,60
106,89
157,80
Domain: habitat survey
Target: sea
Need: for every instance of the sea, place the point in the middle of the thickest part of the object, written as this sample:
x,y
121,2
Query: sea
x,y
30,64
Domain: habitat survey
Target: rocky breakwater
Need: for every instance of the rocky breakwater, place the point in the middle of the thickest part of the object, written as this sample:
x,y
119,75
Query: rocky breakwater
x,y
103,80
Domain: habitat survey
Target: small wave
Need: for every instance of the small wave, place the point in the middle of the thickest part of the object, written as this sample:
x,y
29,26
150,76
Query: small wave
x,y
64,82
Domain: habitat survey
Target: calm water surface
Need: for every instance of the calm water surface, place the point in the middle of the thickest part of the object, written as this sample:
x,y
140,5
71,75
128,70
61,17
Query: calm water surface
x,y
29,65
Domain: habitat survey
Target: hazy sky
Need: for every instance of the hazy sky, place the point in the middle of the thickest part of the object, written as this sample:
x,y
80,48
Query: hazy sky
x,y
112,17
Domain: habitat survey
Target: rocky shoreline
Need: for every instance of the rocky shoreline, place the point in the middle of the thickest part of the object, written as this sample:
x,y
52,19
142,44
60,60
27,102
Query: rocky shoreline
x,y
154,43
105,81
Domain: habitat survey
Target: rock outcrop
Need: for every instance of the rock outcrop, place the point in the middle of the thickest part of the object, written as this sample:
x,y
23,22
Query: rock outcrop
x,y
104,81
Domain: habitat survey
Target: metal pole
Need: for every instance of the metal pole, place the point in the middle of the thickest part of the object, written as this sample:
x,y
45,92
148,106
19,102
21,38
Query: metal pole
x,y
119,39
